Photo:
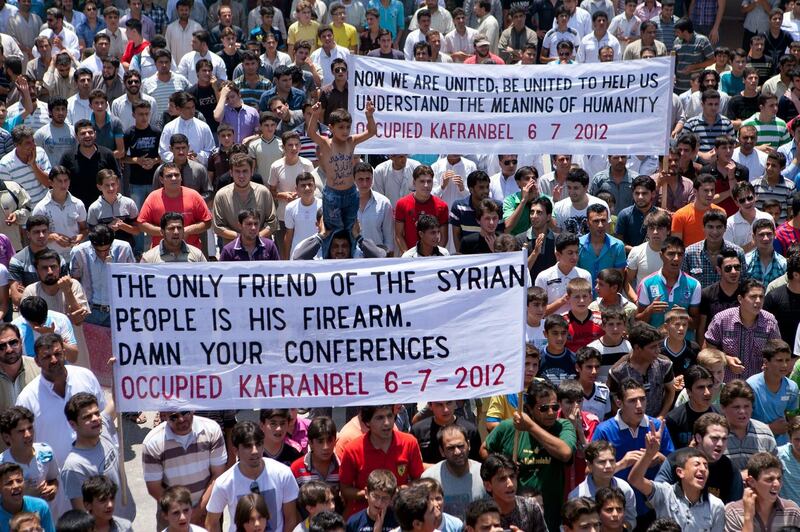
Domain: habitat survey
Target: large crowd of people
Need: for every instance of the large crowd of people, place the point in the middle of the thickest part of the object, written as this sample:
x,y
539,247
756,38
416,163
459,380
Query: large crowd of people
x,y
661,392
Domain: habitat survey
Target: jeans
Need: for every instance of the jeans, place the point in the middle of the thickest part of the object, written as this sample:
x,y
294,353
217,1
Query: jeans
x,y
339,212
99,317
138,194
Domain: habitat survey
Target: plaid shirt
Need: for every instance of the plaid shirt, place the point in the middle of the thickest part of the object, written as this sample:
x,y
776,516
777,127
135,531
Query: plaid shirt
x,y
697,263
784,513
159,18
727,333
775,269
704,12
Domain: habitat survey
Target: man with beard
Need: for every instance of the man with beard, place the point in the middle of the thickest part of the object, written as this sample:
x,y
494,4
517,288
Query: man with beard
x,y
123,106
47,394
16,371
249,245
85,161
630,226
243,194
483,54
109,80
172,247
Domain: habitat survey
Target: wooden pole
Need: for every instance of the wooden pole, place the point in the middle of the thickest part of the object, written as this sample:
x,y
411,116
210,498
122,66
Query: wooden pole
x,y
516,432
123,478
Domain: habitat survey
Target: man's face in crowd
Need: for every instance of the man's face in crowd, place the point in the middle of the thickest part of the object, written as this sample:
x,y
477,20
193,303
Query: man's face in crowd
x,y
180,152
38,235
649,35
642,197
275,428
430,237
752,301
738,412
546,409
173,233
711,107
44,48
756,47
188,110
781,364
747,139
322,448
576,191
424,185
421,54
10,347
340,248
101,508
770,108
89,423
694,472
488,522
705,195
600,25
701,393
385,42
183,13
714,442
568,257
632,406
241,175
327,40
764,239
767,486
714,230
455,449
251,455
508,164
598,223
532,363
21,436
539,217
102,46
51,361
226,16
250,228
48,271
363,181
382,423
424,24
443,411
163,65
612,515
488,222
502,486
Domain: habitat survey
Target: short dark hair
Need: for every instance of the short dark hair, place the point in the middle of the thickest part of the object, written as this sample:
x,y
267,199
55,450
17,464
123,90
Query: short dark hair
x,y
327,521
98,487
478,508
171,216
644,180
696,373
34,309
587,353
628,384
578,175
247,433
321,427
78,402
642,334
367,412
410,504
10,418
576,508
565,239
495,463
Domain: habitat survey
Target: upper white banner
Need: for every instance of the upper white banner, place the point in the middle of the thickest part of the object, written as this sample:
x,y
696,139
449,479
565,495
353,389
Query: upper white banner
x,y
317,333
622,107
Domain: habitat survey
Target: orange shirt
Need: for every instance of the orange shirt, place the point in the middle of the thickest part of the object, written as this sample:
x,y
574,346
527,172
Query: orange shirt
x,y
689,222
190,204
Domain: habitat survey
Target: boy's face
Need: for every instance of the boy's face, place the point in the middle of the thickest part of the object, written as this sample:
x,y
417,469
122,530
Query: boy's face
x,y
694,472
323,447
341,130
794,439
443,411
502,486
603,466
556,339
21,436
250,454
488,522
579,300
614,328
305,189
178,517
226,138
531,369
89,424
378,501
109,187
60,183
605,290
536,310
102,508
275,428
329,505
677,327
568,258
587,372
587,522
612,514
775,212
12,488
632,406
767,486
781,364
738,412
718,372
701,392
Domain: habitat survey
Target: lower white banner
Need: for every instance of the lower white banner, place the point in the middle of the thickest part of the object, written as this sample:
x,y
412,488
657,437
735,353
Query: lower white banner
x,y
317,333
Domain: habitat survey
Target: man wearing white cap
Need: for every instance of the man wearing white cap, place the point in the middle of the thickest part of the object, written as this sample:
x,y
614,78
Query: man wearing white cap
x,y
482,54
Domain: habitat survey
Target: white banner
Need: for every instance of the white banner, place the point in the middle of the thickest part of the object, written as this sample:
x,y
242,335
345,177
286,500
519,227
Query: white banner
x,y
317,333
622,107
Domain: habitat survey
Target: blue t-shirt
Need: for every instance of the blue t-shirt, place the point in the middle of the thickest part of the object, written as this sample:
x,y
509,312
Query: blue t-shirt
x,y
611,256
361,522
63,328
33,505
769,406
557,368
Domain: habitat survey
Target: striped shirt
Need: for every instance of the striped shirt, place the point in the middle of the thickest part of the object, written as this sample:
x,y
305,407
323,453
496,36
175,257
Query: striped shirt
x,y
165,458
773,133
304,472
665,31
697,263
11,168
759,439
691,52
161,91
785,513
785,236
251,96
782,192
775,268
708,133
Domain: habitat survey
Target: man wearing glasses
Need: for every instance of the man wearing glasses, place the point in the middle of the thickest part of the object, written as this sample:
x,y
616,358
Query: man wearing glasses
x,y
187,450
334,96
122,107
254,474
16,371
546,445
503,184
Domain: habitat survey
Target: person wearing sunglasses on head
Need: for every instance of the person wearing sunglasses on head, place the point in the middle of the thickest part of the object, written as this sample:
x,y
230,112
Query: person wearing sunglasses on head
x,y
546,445
16,371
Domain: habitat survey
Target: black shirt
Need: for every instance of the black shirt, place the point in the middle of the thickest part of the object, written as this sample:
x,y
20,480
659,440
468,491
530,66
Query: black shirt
x,y
776,46
83,172
714,300
141,143
546,258
474,243
231,61
785,306
681,361
332,99
426,432
742,107
786,109
287,455
764,67
680,423
205,100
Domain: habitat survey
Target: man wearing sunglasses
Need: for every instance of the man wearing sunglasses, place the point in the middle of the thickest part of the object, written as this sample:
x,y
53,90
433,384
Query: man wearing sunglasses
x,y
700,257
187,450
739,227
546,445
502,184
722,294
16,371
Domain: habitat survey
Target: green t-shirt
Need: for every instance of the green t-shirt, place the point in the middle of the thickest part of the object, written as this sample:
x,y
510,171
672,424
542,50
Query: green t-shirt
x,y
537,469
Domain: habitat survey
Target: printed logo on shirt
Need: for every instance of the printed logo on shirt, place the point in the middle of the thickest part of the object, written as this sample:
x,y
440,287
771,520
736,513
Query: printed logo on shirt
x,y
401,469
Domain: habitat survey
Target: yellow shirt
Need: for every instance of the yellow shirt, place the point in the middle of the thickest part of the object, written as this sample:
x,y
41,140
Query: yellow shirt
x,y
298,33
346,36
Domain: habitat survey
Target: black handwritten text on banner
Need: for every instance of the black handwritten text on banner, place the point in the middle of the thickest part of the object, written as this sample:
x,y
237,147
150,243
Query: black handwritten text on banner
x,y
317,333
590,109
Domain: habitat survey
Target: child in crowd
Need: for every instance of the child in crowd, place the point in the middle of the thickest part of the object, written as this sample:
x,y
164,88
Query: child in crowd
x,y
612,345
300,216
773,208
534,328
583,324
340,197
175,506
676,347
113,209
558,362
609,286
596,396
570,400
714,361
315,497
503,406
775,394
275,424
378,516
67,214
555,278
39,467
789,455
612,505
98,499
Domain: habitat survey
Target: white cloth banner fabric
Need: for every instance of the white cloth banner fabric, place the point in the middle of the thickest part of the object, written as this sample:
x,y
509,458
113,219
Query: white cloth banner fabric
x,y
317,333
621,107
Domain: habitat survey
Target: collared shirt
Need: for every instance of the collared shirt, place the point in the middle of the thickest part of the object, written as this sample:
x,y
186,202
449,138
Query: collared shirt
x,y
377,220
785,236
304,472
159,254
590,48
622,191
665,30
500,186
587,488
179,39
781,192
708,133
234,251
123,110
201,141
78,109
86,266
756,270
696,50
784,513
324,60
65,218
757,439
243,120
158,16
392,183
697,263
727,333
612,255
686,293
162,90
705,515
228,204
630,225
392,17
739,231
186,67
455,42
554,282
659,374
13,169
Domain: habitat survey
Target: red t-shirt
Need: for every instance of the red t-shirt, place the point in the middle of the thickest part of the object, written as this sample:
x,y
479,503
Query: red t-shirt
x,y
190,204
582,333
131,51
360,458
408,210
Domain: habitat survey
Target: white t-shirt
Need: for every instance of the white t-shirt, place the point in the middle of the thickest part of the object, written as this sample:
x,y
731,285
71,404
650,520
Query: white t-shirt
x,y
555,283
301,218
283,176
571,219
276,484
645,260
535,336
599,403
